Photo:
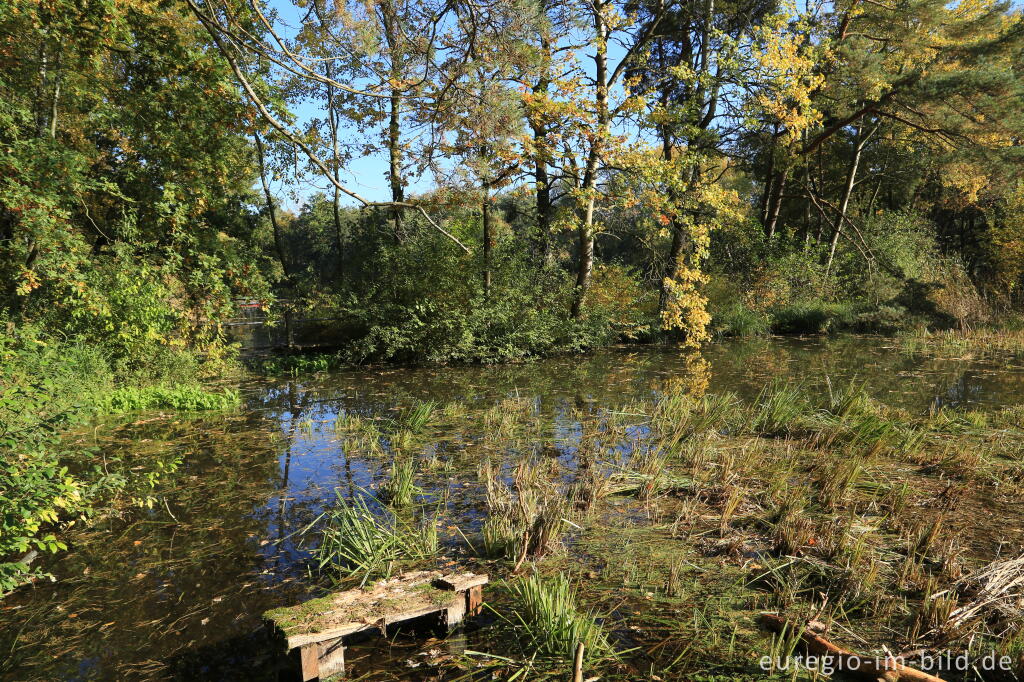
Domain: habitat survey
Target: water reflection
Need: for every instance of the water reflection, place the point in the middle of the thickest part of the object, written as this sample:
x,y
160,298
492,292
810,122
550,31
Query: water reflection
x,y
177,591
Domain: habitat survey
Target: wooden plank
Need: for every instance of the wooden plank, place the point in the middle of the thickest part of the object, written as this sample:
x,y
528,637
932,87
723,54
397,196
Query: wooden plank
x,y
454,614
332,658
309,662
461,581
474,599
296,641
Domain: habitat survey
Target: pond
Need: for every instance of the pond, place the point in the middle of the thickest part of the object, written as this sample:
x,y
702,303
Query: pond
x,y
176,591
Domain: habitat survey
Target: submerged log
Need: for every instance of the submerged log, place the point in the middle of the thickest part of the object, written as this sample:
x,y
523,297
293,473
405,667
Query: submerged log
x,y
314,631
888,669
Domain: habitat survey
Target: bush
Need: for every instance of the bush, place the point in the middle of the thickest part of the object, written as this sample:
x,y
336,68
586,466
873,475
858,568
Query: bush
x,y
46,385
812,317
425,303
738,320
36,491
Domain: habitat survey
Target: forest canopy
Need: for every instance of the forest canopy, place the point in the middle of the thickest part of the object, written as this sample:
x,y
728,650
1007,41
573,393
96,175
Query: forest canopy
x,y
553,175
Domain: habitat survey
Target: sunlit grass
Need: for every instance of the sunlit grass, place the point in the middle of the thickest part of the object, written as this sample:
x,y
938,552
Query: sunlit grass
x,y
548,614
356,541
183,398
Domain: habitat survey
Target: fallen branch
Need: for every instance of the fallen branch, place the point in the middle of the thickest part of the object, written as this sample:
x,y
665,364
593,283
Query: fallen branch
x,y
888,668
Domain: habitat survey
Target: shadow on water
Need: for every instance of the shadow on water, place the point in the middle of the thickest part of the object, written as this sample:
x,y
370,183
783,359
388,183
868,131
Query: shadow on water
x,y
176,591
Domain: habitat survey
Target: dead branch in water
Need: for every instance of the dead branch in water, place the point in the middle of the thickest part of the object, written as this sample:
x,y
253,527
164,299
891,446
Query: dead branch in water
x,y
888,669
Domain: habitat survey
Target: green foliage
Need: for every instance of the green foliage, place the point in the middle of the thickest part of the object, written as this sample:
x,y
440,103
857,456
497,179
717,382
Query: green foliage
x,y
36,492
418,301
47,385
812,317
547,613
184,398
355,540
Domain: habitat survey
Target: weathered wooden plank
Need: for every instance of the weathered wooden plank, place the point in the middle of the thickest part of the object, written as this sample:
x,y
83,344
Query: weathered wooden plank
x,y
474,599
309,662
332,657
461,581
314,631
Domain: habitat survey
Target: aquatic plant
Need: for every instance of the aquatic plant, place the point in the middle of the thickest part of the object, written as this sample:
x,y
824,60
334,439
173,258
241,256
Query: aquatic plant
x,y
354,540
185,398
525,521
416,417
777,410
400,490
546,612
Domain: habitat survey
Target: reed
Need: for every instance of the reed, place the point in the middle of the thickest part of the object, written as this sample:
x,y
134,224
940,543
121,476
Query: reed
x,y
400,490
546,611
778,410
418,416
354,541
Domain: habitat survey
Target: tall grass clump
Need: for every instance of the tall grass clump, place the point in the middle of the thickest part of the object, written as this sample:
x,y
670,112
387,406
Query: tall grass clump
x,y
677,415
546,611
401,489
356,541
523,521
418,416
778,409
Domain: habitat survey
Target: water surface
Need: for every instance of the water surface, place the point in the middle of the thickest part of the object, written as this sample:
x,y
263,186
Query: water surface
x,y
176,591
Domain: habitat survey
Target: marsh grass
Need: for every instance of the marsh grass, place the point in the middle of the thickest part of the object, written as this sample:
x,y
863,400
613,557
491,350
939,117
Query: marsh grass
x,y
546,612
959,343
356,541
525,520
836,479
418,416
779,409
401,490
813,499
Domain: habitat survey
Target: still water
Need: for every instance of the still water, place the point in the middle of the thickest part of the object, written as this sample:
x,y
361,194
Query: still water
x,y
176,591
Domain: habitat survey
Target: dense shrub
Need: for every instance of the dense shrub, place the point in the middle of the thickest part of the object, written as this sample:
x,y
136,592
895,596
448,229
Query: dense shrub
x,y
426,303
812,316
46,385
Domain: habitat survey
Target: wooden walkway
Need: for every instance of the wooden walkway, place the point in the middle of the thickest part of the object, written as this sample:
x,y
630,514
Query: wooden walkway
x,y
314,631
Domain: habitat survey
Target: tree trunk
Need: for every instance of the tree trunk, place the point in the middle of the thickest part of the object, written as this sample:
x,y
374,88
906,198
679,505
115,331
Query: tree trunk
x,y
485,210
391,35
332,118
542,181
271,208
585,232
776,203
395,158
851,177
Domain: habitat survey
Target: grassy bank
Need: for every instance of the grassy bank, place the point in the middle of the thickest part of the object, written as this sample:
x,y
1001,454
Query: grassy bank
x,y
48,386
